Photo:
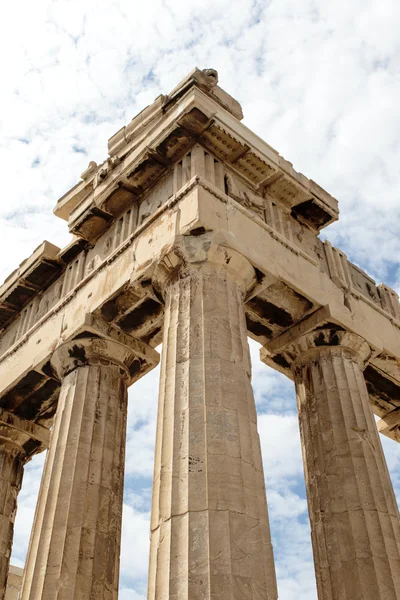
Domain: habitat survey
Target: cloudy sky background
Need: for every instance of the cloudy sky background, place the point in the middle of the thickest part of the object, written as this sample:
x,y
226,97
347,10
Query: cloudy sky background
x,y
318,80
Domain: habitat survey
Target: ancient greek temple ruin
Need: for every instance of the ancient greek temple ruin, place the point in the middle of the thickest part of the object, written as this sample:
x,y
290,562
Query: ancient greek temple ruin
x,y
196,234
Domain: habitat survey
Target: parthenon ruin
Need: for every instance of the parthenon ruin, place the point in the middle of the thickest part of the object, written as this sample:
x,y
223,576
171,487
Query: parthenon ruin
x,y
196,234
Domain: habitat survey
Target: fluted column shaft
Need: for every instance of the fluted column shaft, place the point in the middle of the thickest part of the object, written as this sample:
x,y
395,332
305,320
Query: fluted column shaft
x,y
210,537
353,511
19,440
75,543
12,461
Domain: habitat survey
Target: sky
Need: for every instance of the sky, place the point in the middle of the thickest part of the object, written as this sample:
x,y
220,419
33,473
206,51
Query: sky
x,y
318,80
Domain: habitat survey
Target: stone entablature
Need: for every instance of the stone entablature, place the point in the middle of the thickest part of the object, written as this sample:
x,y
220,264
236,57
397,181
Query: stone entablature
x,y
189,188
197,167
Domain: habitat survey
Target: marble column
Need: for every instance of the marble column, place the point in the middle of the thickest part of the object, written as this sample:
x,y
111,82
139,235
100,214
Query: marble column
x,y
75,543
210,537
19,440
354,516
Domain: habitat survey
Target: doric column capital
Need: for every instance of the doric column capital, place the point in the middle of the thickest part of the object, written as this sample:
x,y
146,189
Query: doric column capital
x,y
100,344
318,333
195,253
95,351
327,339
22,438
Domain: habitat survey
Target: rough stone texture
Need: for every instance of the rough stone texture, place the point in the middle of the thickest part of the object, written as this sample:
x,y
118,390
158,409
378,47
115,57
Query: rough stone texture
x,y
19,440
12,461
354,517
210,537
75,543
14,583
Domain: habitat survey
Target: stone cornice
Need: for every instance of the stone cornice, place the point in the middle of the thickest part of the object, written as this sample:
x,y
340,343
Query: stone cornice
x,y
127,175
34,275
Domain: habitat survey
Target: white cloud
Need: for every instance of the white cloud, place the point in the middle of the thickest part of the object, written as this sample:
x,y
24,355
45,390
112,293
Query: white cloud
x,y
280,443
318,81
142,417
135,544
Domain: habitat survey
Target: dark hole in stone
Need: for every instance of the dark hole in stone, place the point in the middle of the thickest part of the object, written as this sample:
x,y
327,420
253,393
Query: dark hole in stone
x,y
44,274
258,329
334,339
152,335
31,407
328,335
268,311
259,275
24,388
20,296
86,334
320,340
135,319
48,369
381,387
7,313
226,187
30,446
197,231
281,361
158,295
331,326
135,367
109,310
312,213
74,250
78,352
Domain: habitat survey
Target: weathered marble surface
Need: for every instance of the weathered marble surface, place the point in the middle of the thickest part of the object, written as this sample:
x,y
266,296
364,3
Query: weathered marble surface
x,y
354,516
75,545
14,583
19,440
210,536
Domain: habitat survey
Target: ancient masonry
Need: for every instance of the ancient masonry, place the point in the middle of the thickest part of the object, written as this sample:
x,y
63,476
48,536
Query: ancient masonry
x,y
196,233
